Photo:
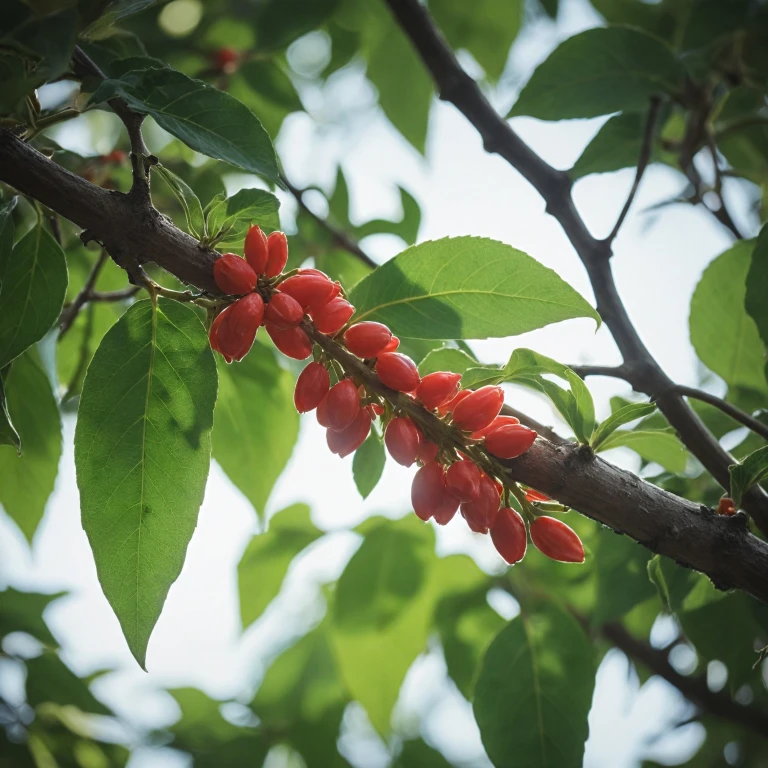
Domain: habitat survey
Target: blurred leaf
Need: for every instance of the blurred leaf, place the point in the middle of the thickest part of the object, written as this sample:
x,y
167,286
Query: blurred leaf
x,y
368,464
206,119
228,219
33,282
407,228
757,280
283,21
751,470
267,557
447,359
485,28
256,423
190,204
115,11
662,447
142,467
342,266
28,479
599,71
268,79
534,691
8,433
418,754
618,418
724,336
23,612
119,45
435,291
673,582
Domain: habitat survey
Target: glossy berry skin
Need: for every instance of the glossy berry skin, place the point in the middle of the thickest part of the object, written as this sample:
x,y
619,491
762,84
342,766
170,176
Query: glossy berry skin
x,y
533,495
556,540
311,291
451,404
394,343
256,249
438,388
499,421
397,372
480,514
427,451
233,275
510,442
342,405
321,414
292,343
508,535
725,507
213,333
402,438
463,480
277,250
349,440
478,409
447,507
283,312
237,329
375,410
333,316
311,387
367,339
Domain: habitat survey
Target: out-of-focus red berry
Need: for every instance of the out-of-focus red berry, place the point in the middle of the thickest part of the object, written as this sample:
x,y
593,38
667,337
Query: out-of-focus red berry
x,y
402,438
233,275
478,409
311,387
226,59
255,248
277,247
350,439
510,442
438,388
116,156
508,535
480,514
333,316
292,343
499,421
556,540
726,507
342,405
397,371
463,480
283,312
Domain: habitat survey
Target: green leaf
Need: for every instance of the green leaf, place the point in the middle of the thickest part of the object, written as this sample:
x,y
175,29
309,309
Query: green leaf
x,y
206,119
407,228
8,433
267,557
447,359
528,368
115,11
190,204
623,415
436,290
534,691
256,423
282,21
672,582
33,282
724,336
751,470
228,219
28,479
142,453
368,464
418,754
602,70
662,447
757,280
23,612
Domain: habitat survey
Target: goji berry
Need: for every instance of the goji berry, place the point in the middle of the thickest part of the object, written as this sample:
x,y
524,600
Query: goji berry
x,y
375,410
283,312
556,540
226,59
510,442
397,371
331,317
214,332
479,408
350,439
438,388
256,249
427,451
480,514
311,291
394,343
311,387
508,535
499,421
367,339
321,414
427,490
342,405
726,507
292,343
447,507
463,480
533,495
237,330
277,247
233,275
451,404
402,438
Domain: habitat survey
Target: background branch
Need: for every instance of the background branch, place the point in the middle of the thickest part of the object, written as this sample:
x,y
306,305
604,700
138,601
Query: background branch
x,y
69,313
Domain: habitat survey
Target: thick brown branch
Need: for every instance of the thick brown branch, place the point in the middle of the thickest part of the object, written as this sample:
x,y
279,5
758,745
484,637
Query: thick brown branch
x,y
457,87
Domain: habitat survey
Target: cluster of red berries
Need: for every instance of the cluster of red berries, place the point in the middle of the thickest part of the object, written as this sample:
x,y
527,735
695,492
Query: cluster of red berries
x,y
447,480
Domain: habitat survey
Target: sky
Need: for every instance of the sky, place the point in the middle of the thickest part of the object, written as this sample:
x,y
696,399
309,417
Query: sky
x,y
462,190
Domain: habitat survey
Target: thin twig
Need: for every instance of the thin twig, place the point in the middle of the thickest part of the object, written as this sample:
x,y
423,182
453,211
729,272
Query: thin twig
x,y
120,295
735,413
69,313
642,163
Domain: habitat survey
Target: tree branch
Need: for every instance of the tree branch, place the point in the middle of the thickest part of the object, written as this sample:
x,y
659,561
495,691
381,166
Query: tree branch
x,y
457,87
735,413
69,313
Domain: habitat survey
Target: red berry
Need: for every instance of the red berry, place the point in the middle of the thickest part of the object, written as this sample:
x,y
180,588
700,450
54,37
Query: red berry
x,y
283,312
237,328
427,490
726,507
311,291
533,495
397,371
402,439
510,442
226,59
427,451
447,507
116,156
480,514
214,332
451,404
437,388
463,480
479,408
499,421
311,387
233,275
556,540
508,535
342,405
322,413
367,339
349,440
375,410
333,316
392,346
292,343
313,271
256,252
277,247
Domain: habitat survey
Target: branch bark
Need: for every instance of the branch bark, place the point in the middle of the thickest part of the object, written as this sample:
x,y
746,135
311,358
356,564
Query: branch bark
x,y
457,87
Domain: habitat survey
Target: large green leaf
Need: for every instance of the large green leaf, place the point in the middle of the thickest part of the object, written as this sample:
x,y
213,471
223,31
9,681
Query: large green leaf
x,y
724,336
418,754
660,446
28,479
534,691
205,118
602,70
33,282
256,423
368,464
228,219
752,469
447,359
142,453
465,288
267,557
8,433
757,280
